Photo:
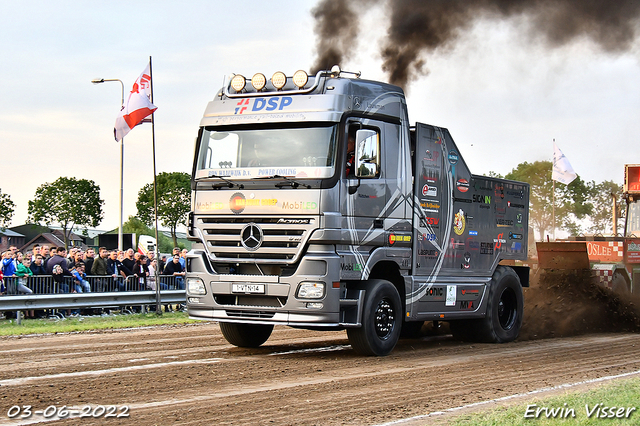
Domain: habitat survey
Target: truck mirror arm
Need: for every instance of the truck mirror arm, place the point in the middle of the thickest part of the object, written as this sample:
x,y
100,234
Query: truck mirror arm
x,y
353,188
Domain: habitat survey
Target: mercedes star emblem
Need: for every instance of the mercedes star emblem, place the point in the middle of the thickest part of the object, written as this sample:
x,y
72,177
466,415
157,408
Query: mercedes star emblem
x,y
251,237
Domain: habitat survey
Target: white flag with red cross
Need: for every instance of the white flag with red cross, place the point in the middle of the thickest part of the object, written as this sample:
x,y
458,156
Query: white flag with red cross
x,y
137,107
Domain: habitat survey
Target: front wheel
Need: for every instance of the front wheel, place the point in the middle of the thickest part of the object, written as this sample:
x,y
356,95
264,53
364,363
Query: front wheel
x,y
381,320
245,335
504,308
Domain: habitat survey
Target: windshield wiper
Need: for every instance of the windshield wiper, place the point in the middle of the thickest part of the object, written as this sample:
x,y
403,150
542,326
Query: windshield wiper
x,y
289,182
229,184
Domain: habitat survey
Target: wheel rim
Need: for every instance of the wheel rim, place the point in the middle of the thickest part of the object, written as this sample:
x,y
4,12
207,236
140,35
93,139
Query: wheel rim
x,y
507,309
384,318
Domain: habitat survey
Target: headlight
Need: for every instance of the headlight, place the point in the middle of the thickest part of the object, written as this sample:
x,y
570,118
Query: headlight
x,y
300,78
238,82
311,290
195,286
278,80
258,81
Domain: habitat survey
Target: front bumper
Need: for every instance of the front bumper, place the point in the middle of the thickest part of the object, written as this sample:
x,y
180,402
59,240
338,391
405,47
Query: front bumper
x,y
278,303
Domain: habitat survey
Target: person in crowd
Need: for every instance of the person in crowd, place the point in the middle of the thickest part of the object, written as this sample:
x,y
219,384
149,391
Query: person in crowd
x,y
52,252
9,264
45,251
79,256
162,262
37,266
151,279
23,273
71,257
59,257
57,266
151,256
116,269
129,262
89,256
99,267
35,251
80,278
183,258
141,272
175,269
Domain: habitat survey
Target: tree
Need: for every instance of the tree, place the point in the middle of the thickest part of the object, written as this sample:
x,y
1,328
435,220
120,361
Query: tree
x,y
174,201
6,210
68,202
571,201
601,217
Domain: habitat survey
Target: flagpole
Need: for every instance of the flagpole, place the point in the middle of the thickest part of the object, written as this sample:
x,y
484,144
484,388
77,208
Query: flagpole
x,y
553,203
155,195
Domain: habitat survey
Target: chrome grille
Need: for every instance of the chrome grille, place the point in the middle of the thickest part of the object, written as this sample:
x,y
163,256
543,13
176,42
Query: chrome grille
x,y
281,242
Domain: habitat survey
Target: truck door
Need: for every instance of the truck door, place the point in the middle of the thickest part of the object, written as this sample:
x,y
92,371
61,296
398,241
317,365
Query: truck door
x,y
366,195
430,186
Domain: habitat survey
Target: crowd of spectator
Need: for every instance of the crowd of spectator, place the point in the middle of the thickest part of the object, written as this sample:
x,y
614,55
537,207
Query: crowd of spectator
x,y
70,270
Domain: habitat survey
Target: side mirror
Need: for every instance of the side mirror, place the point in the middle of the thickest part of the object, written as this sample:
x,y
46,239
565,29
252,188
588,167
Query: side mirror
x,y
367,154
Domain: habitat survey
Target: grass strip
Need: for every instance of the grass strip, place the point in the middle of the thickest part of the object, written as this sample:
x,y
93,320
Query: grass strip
x,y
9,327
615,403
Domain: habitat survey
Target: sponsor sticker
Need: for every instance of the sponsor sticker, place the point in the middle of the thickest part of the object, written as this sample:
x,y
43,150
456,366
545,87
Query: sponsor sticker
x,y
453,157
451,295
459,223
462,185
429,191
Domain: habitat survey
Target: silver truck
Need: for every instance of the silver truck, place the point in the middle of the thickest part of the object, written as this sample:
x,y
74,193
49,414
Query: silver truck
x,y
316,205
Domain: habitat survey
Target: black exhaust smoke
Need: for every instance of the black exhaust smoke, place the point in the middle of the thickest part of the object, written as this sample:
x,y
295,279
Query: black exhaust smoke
x,y
419,27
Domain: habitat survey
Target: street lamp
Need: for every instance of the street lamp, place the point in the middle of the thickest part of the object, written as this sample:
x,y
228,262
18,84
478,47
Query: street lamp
x,y
103,80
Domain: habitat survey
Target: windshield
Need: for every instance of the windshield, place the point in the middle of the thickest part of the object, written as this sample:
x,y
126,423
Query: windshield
x,y
301,152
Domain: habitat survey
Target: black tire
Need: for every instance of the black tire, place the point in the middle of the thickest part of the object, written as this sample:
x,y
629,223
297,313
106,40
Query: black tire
x,y
381,320
619,284
505,306
245,335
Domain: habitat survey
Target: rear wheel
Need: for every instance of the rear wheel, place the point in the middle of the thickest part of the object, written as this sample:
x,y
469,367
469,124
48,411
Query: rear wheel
x,y
381,320
503,320
245,335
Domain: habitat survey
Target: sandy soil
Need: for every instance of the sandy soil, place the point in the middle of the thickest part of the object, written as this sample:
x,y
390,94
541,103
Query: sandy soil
x,y
190,375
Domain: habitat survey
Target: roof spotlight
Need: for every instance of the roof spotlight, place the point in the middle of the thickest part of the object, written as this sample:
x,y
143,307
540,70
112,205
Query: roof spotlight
x,y
238,82
278,80
258,81
300,78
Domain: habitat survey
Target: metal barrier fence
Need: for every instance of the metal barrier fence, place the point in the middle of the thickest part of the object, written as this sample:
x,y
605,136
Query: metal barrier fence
x,y
47,284
104,291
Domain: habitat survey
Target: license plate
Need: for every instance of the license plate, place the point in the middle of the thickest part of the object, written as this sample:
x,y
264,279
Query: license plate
x,y
247,288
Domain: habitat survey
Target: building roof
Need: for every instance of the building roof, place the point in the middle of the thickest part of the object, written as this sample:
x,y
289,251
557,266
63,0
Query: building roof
x,y
9,233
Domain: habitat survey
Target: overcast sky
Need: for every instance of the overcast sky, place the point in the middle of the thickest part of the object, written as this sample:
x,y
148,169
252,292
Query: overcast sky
x,y
503,98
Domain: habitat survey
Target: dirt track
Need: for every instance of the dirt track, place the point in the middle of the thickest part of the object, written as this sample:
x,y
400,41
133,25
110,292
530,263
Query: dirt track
x,y
190,375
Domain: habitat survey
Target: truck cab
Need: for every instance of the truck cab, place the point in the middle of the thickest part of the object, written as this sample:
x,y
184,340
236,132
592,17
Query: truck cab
x,y
316,205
